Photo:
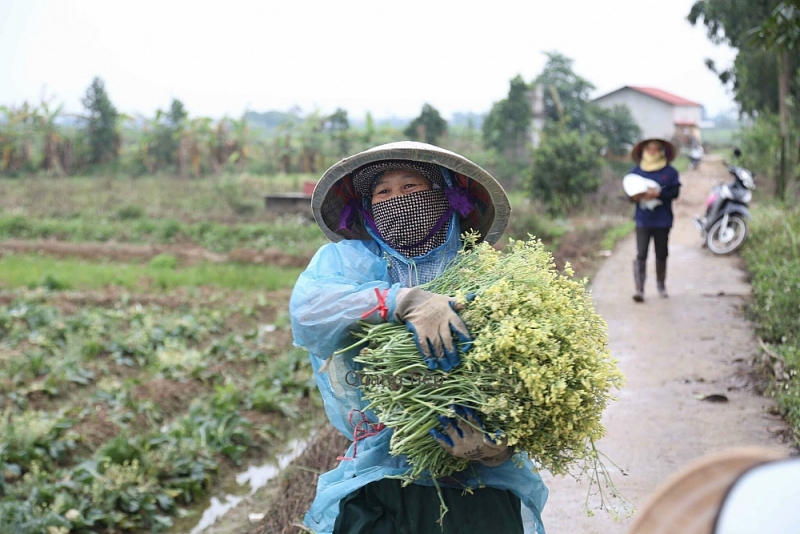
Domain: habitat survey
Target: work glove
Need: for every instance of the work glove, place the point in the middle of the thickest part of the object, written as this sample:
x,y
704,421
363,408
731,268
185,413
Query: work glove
x,y
465,437
433,319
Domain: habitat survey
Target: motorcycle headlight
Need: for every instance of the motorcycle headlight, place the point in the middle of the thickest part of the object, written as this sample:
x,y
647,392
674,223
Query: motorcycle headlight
x,y
746,197
747,178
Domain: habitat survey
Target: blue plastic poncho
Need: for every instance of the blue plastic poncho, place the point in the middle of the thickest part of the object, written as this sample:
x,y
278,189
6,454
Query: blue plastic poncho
x,y
329,299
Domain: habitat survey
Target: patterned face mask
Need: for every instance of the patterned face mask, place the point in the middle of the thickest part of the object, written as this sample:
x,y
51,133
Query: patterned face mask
x,y
413,224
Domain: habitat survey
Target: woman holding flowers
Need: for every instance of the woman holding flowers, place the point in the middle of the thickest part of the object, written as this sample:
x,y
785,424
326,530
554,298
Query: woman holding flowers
x,y
395,215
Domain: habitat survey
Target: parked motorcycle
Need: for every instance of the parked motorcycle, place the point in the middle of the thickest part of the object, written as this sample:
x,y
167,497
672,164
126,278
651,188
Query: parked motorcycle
x,y
724,226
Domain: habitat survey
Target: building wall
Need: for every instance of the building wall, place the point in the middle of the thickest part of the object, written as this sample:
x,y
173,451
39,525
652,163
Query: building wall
x,y
653,116
688,114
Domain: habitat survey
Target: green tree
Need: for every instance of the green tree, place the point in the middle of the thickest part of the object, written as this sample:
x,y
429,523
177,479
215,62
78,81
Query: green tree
x,y
618,127
763,76
102,125
369,128
781,33
429,127
761,143
566,94
338,126
507,126
567,166
164,137
753,76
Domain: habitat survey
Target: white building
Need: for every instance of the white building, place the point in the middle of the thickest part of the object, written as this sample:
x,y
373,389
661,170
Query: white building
x,y
658,113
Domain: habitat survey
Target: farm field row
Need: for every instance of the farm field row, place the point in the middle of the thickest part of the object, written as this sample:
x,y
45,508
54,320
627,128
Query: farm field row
x,y
161,273
123,410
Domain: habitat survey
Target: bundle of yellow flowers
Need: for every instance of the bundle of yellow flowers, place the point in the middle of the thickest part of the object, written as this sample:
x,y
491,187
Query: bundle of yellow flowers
x,y
538,370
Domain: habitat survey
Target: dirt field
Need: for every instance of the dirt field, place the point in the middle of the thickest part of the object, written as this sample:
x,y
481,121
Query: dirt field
x,y
187,254
673,352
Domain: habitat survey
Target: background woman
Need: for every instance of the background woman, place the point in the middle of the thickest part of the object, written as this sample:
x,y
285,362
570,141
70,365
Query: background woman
x,y
652,157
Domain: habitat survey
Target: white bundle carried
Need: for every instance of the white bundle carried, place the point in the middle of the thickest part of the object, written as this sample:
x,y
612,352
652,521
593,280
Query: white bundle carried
x,y
633,185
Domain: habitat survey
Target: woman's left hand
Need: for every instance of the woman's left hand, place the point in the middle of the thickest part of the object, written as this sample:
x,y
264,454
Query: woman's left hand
x,y
468,439
434,321
651,194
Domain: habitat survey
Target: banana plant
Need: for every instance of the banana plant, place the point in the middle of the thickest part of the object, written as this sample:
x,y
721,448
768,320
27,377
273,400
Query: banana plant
x,y
194,150
283,146
311,139
56,148
16,135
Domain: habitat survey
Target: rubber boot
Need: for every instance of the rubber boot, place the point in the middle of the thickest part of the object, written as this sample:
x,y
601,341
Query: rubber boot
x,y
639,276
661,277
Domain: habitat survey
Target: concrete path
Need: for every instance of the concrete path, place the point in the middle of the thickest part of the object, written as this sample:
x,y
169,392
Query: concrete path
x,y
673,352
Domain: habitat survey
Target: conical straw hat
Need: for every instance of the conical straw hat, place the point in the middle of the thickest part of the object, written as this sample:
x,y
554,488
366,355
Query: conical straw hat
x,y
689,501
669,149
335,190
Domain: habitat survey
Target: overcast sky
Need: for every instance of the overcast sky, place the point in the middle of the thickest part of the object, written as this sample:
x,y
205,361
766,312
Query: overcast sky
x,y
389,58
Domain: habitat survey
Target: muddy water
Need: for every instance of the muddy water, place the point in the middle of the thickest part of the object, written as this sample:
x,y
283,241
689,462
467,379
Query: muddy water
x,y
216,511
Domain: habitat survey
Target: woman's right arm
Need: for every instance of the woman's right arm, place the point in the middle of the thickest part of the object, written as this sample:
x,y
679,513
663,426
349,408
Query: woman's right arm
x,y
336,290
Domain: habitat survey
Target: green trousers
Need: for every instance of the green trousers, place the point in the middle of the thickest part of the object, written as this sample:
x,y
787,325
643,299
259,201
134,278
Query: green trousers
x,y
385,507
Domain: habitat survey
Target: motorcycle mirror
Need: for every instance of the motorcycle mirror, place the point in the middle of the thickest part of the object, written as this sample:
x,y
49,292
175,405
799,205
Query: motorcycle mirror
x,y
737,152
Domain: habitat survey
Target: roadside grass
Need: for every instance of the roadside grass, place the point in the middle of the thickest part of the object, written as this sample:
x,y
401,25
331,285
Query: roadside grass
x,y
720,136
161,273
681,163
597,226
772,254
529,218
294,235
616,233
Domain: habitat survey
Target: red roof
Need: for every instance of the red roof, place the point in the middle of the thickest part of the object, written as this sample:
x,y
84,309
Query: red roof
x,y
664,96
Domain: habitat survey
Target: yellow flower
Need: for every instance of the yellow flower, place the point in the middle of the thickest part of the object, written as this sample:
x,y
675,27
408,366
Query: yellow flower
x,y
539,360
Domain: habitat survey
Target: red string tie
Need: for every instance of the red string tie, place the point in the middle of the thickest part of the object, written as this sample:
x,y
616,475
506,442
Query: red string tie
x,y
362,430
381,307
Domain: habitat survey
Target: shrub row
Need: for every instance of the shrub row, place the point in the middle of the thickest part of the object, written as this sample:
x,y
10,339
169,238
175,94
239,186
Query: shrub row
x,y
772,254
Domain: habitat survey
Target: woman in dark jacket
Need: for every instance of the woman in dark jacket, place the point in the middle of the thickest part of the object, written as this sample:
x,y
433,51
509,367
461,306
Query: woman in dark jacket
x,y
654,219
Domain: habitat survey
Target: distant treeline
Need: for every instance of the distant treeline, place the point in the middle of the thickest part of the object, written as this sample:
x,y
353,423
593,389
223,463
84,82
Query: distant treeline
x,y
36,139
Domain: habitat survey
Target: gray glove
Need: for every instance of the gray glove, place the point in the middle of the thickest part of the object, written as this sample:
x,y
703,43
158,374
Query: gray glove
x,y
469,439
433,320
